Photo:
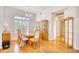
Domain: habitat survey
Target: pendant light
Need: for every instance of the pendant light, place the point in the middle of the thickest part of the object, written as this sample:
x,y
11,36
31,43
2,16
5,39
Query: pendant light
x,y
29,14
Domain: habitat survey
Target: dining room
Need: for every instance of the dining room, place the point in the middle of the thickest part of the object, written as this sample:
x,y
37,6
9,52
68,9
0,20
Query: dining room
x,y
42,29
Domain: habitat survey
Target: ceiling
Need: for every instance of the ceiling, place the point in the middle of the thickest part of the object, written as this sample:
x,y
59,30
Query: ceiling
x,y
34,9
37,9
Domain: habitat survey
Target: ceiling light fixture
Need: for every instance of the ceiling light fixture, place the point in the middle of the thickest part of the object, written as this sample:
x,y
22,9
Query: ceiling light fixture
x,y
26,14
29,14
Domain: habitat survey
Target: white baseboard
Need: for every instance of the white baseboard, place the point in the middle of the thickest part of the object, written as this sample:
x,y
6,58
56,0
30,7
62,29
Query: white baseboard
x,y
76,49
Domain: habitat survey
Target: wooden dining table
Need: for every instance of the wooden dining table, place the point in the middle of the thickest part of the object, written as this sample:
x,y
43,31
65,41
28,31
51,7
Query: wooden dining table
x,y
29,38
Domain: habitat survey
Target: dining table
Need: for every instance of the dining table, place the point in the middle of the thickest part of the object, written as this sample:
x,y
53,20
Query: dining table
x,y
29,36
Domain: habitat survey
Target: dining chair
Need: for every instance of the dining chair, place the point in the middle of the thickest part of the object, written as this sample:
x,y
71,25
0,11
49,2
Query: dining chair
x,y
24,41
19,41
36,39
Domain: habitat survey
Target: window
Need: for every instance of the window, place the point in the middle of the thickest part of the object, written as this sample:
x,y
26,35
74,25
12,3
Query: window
x,y
23,23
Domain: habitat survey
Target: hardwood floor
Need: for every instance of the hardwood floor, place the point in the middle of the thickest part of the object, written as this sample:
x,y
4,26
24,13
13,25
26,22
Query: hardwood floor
x,y
45,47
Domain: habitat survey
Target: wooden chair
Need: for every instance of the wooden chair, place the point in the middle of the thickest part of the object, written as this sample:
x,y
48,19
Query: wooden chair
x,y
19,41
24,41
36,39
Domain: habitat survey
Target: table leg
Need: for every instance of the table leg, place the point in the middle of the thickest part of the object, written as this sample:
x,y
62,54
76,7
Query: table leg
x,y
29,42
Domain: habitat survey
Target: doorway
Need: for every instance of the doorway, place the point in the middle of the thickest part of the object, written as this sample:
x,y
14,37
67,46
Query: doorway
x,y
59,27
63,29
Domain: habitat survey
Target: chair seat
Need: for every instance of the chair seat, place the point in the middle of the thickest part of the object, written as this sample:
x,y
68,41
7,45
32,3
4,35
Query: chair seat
x,y
24,39
32,39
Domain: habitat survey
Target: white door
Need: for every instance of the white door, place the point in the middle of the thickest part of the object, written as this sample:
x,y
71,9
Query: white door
x,y
70,33
66,31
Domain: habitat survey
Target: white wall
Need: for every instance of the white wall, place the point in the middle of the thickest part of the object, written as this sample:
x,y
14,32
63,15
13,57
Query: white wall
x,y
74,12
47,15
70,11
11,12
7,16
1,25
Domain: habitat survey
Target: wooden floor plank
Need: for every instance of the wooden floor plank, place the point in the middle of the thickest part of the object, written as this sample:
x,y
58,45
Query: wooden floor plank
x,y
45,47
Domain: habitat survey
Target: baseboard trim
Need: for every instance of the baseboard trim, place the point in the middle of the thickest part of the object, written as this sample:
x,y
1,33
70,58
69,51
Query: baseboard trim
x,y
76,49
